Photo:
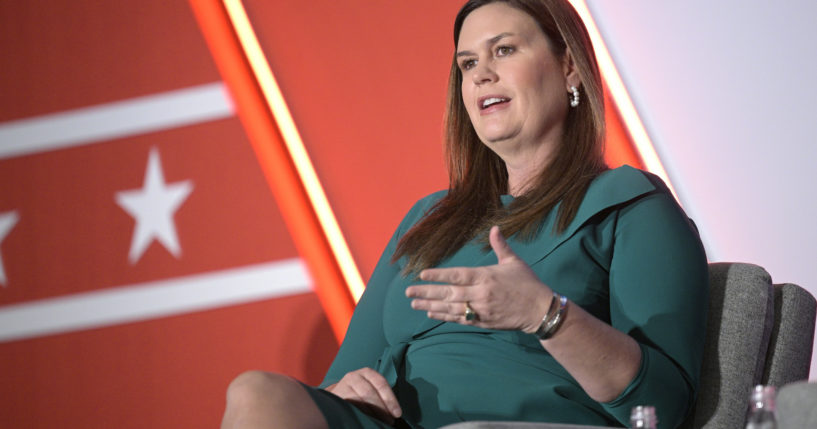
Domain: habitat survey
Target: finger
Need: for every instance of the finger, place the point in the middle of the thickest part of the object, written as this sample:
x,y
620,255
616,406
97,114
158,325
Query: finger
x,y
436,306
448,293
454,312
455,276
352,397
356,388
448,317
368,399
383,389
500,245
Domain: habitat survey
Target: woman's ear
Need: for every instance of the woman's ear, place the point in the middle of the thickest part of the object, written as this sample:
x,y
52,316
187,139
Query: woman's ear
x,y
569,69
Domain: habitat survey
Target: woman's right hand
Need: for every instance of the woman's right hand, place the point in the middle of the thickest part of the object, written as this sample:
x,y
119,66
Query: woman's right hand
x,y
368,390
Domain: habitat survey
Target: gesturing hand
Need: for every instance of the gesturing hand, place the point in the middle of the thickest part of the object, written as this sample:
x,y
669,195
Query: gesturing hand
x,y
368,390
507,295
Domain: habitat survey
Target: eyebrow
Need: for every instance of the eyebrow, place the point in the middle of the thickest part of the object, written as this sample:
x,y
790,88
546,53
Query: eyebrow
x,y
488,42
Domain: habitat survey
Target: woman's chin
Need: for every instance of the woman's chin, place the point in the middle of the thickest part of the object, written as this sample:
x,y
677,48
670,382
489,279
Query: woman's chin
x,y
496,139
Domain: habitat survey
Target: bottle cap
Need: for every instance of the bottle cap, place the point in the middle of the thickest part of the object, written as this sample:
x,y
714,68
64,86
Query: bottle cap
x,y
762,397
643,416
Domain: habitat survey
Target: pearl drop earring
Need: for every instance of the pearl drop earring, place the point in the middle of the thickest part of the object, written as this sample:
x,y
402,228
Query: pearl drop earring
x,y
575,100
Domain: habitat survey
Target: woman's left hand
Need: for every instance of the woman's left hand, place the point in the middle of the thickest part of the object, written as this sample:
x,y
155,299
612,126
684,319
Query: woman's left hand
x,y
507,295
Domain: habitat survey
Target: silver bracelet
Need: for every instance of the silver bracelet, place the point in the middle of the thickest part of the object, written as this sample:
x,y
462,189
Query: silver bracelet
x,y
554,317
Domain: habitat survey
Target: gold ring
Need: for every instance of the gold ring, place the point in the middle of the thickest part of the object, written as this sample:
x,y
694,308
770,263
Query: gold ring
x,y
470,314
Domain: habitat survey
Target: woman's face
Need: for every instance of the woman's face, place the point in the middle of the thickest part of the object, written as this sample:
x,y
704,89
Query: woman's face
x,y
513,87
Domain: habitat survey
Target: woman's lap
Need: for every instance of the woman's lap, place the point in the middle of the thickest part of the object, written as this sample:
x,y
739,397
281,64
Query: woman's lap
x,y
341,414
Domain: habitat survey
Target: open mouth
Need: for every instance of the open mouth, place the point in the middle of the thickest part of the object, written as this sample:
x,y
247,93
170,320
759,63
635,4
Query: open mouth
x,y
492,101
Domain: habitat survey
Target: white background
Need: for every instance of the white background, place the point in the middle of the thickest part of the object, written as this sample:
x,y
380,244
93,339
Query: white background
x,y
727,92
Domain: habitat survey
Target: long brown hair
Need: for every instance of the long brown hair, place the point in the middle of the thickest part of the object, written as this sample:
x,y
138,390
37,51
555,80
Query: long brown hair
x,y
478,177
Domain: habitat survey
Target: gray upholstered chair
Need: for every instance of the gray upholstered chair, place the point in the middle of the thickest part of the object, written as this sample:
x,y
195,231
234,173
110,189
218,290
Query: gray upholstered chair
x,y
797,406
757,333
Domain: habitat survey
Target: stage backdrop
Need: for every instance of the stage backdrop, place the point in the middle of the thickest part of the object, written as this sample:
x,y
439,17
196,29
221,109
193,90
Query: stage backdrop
x,y
143,260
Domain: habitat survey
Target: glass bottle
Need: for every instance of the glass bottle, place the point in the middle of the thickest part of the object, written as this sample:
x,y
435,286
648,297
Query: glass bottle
x,y
643,416
761,408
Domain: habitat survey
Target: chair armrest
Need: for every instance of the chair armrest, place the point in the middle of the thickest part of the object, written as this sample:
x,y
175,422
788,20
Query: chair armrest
x,y
797,406
518,425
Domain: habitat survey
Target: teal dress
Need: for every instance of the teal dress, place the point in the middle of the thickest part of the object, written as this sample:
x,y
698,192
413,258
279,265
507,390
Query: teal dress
x,y
631,257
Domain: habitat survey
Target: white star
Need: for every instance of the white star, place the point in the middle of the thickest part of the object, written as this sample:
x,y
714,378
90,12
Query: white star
x,y
7,222
153,207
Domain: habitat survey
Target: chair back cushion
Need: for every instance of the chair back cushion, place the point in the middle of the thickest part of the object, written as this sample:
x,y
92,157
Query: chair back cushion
x,y
741,314
790,345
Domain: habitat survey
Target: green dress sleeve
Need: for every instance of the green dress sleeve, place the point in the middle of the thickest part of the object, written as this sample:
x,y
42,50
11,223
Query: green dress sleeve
x,y
659,285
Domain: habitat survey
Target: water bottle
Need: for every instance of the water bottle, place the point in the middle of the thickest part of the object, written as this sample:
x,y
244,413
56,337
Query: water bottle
x,y
643,416
761,408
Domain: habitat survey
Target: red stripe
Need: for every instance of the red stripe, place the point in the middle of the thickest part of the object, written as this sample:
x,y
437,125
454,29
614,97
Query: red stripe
x,y
64,55
167,373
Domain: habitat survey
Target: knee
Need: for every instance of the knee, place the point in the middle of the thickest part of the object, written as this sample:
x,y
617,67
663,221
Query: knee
x,y
263,399
257,386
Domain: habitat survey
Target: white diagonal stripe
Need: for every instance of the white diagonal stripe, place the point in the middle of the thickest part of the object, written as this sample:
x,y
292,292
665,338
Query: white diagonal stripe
x,y
152,300
7,222
119,119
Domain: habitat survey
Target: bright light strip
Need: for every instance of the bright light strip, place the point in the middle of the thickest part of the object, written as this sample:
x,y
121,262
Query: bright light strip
x,y
292,139
621,97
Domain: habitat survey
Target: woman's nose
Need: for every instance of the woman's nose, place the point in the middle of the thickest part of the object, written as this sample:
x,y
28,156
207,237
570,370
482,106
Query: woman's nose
x,y
484,73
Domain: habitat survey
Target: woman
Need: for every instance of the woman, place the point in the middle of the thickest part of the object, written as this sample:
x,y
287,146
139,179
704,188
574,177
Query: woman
x,y
596,302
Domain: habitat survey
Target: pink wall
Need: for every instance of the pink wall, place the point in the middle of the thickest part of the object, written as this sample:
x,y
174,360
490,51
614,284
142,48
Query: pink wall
x,y
726,91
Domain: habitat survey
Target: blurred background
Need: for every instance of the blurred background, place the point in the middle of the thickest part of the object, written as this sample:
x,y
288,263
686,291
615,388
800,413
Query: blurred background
x,y
144,262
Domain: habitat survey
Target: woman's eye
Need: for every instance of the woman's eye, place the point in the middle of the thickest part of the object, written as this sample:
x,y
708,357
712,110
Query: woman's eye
x,y
504,50
468,64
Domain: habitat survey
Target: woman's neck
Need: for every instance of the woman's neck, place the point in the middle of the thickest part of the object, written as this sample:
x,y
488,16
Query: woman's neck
x,y
523,171
520,179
